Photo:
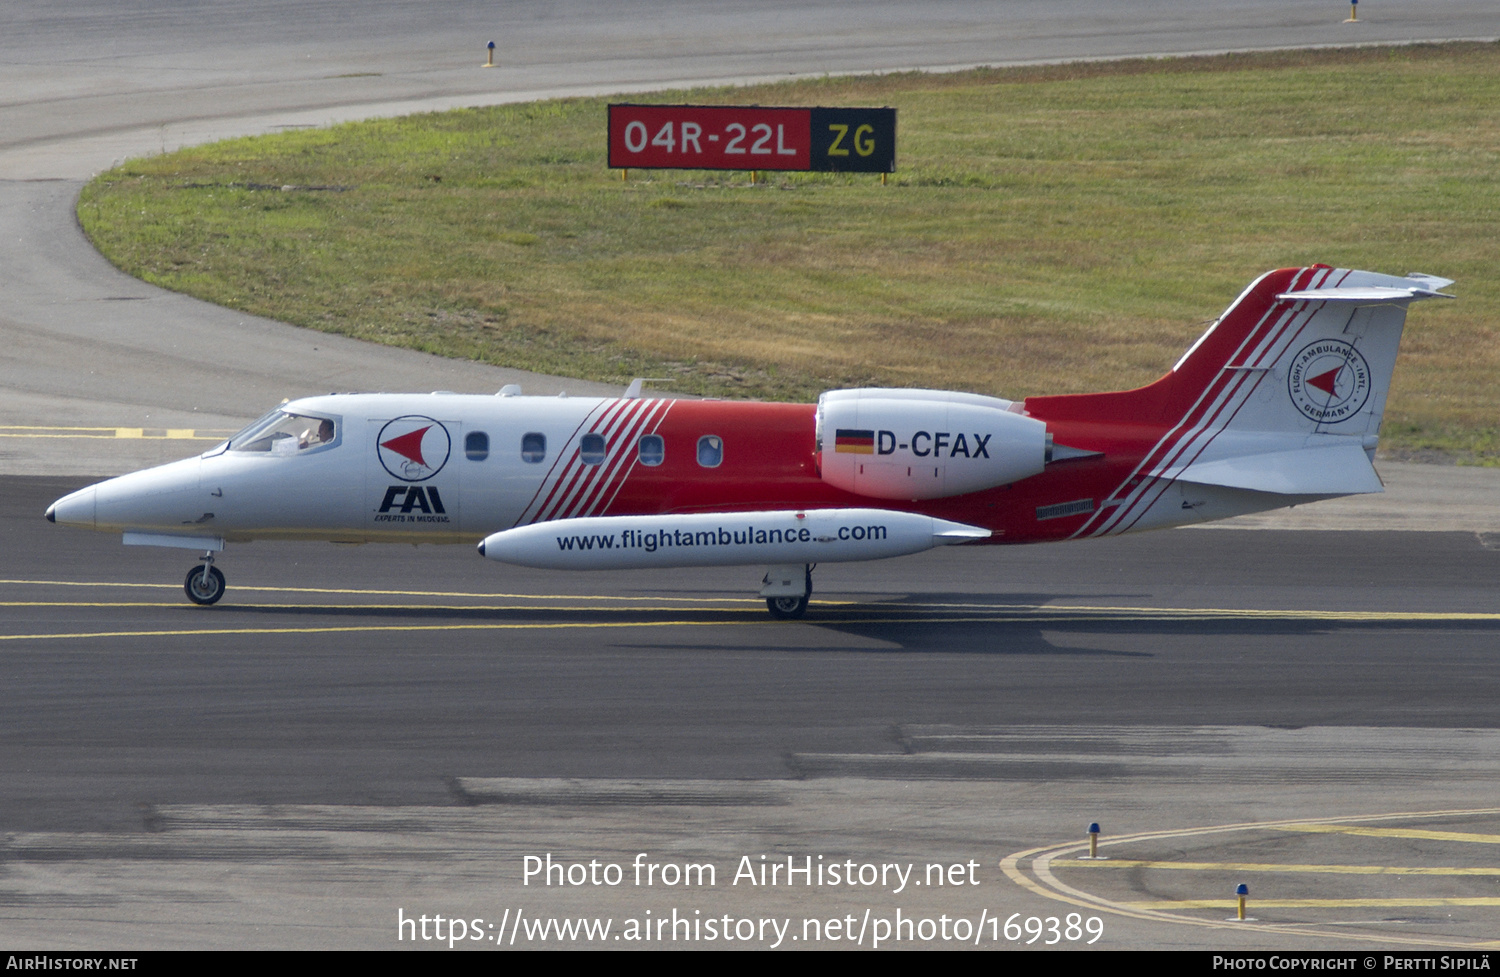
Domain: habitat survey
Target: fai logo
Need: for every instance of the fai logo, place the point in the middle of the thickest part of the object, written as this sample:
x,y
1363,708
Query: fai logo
x,y
1329,381
413,448
412,503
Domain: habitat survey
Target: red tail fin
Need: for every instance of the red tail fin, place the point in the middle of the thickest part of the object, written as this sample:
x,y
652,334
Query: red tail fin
x,y
1242,327
1281,399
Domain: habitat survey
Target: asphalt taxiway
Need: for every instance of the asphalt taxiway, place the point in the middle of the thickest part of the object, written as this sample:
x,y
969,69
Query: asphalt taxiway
x,y
394,657
357,733
375,728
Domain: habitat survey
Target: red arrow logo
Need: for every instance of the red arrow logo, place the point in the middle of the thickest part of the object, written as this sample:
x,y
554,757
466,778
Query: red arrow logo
x,y
1324,381
410,445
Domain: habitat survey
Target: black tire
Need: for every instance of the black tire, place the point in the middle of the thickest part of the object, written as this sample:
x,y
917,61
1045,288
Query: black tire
x,y
787,608
201,590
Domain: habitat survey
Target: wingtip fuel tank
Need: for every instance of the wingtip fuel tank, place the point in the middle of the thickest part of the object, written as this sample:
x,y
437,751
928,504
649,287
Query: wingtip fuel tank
x,y
724,539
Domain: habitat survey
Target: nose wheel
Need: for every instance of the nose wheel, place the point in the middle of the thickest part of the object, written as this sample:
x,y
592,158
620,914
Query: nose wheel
x,y
786,608
205,584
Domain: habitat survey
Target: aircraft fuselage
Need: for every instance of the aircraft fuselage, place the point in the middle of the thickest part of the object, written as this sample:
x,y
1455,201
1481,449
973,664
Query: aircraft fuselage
x,y
484,464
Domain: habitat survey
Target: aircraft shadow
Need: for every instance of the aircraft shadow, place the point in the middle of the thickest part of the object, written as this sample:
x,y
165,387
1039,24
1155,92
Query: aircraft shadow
x,y
947,623
992,631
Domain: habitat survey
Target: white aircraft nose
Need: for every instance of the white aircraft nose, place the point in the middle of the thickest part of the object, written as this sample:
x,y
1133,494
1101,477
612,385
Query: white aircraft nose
x,y
75,509
165,498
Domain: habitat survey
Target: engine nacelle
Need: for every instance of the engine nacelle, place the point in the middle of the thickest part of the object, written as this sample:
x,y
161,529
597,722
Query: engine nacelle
x,y
924,444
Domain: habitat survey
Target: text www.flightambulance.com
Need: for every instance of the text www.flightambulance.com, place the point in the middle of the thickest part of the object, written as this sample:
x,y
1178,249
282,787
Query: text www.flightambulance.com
x,y
652,540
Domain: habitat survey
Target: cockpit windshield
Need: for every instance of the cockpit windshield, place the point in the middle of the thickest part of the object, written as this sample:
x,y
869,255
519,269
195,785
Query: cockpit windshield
x,y
284,433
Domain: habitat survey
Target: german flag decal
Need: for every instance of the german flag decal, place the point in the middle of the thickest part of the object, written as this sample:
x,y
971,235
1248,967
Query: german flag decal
x,y
854,442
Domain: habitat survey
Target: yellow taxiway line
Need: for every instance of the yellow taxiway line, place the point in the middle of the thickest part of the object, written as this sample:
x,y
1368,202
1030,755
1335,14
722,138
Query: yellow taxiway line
x,y
1273,867
991,611
1395,833
738,610
100,432
351,629
390,593
743,618
1043,882
1231,904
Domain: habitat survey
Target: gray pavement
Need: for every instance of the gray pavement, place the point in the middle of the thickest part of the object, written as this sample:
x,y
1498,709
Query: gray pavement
x,y
357,731
318,877
1428,498
320,753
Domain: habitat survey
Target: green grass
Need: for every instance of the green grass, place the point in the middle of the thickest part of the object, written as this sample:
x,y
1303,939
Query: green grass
x,y
1049,230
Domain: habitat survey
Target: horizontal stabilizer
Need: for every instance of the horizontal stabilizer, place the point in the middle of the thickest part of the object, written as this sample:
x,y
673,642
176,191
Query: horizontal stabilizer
x,y
1364,294
1338,469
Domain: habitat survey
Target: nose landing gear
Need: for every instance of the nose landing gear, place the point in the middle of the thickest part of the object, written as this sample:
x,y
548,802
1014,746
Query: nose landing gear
x,y
786,590
205,584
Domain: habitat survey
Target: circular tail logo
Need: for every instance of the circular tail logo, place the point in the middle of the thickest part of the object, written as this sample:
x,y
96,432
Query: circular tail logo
x,y
413,448
1329,381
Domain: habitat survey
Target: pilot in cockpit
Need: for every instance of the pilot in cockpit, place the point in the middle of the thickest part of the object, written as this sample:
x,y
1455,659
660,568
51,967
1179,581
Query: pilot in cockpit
x,y
311,438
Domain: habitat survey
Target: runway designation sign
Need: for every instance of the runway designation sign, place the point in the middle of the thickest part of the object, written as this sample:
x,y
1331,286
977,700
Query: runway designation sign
x,y
720,137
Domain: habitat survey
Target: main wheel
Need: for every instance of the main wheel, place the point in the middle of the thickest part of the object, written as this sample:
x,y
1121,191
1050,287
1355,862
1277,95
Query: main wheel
x,y
787,608
204,585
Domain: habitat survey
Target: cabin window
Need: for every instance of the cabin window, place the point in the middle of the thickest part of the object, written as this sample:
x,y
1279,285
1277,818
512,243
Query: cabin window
x,y
476,446
651,450
591,449
533,447
710,451
282,433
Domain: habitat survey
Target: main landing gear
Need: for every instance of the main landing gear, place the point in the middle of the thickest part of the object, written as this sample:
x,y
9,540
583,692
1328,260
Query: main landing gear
x,y
205,584
787,589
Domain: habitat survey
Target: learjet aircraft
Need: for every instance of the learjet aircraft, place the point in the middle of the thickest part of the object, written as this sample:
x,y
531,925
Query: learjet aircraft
x,y
1279,403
